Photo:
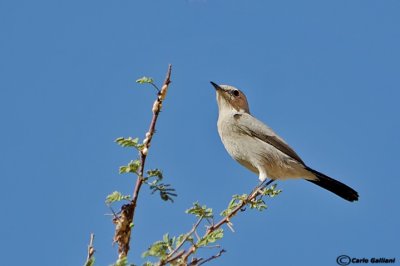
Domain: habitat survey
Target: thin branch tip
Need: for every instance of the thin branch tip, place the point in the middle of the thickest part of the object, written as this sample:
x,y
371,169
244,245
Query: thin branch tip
x,y
123,225
90,251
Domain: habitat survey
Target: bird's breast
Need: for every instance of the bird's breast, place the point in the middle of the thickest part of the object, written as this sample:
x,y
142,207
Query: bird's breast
x,y
240,146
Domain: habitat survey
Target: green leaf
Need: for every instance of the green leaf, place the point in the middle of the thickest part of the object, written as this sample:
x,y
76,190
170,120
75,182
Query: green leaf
x,y
200,211
147,263
129,142
242,197
232,205
179,239
166,238
258,204
168,241
144,80
121,262
132,167
271,191
158,249
90,262
155,173
116,196
235,201
211,238
165,190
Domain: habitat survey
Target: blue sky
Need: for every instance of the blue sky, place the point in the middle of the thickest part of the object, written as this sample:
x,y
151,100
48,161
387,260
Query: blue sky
x,y
324,74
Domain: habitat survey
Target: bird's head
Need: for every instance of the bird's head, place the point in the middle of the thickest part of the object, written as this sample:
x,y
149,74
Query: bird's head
x,y
230,98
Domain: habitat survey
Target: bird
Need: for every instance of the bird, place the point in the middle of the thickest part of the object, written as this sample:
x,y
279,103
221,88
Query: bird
x,y
257,147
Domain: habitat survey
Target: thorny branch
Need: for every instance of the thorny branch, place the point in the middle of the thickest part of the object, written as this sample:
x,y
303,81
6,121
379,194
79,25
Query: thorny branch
x,y
124,221
171,256
226,220
183,256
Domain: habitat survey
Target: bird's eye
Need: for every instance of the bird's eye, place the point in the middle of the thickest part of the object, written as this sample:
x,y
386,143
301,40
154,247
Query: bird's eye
x,y
235,92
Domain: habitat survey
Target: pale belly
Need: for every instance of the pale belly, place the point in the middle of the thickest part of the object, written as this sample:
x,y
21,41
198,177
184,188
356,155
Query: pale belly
x,y
259,156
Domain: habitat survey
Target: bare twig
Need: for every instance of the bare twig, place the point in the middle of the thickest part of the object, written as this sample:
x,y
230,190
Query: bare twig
x,y
212,257
90,251
214,246
124,222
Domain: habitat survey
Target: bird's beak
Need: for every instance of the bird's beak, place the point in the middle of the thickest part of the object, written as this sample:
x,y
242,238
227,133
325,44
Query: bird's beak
x,y
216,86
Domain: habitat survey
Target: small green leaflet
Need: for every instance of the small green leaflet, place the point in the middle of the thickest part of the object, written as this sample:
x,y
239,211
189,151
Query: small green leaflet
x,y
144,80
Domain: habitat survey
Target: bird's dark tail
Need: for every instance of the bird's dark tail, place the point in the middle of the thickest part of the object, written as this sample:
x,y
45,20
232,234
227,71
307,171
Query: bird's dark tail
x,y
334,186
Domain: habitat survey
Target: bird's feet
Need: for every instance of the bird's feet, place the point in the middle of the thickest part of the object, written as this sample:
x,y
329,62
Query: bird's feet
x,y
261,186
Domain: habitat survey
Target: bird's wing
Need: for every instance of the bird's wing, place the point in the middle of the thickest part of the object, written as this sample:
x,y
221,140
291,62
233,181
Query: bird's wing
x,y
259,130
